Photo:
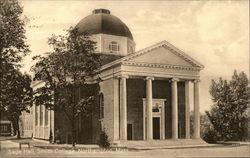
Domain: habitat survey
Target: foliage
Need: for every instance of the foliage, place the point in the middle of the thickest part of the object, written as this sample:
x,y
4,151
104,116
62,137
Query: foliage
x,y
18,96
12,32
210,136
228,112
104,140
70,66
14,87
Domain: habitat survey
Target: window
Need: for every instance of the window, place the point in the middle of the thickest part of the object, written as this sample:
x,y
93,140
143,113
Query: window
x,y
114,47
46,116
36,114
156,108
101,104
41,115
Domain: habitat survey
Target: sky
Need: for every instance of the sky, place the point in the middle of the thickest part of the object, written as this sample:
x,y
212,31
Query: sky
x,y
215,33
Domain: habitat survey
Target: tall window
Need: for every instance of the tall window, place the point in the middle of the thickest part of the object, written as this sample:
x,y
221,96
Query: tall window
x,y
46,116
114,47
36,115
101,104
41,115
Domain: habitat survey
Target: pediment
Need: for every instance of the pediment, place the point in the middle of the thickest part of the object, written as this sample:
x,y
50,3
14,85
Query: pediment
x,y
160,54
163,54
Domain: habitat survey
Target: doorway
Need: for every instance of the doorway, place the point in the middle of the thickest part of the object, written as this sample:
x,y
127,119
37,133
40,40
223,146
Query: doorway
x,y
129,132
156,127
158,119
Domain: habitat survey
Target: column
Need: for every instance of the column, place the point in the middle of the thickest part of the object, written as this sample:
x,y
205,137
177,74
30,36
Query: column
x,y
123,107
196,109
149,105
44,110
49,123
34,122
163,121
38,123
174,102
187,108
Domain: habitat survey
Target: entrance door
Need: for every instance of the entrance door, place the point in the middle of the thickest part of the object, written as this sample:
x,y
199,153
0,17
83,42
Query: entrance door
x,y
156,127
129,132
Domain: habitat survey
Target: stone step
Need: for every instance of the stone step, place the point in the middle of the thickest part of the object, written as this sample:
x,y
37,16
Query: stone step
x,y
161,143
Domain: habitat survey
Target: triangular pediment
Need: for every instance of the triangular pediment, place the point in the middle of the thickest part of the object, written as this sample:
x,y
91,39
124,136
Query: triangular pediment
x,y
162,53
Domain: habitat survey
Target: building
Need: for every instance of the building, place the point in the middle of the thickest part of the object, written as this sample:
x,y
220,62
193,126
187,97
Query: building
x,y
144,94
5,125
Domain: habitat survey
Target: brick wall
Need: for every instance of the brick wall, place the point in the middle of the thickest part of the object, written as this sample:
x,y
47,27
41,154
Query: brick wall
x,y
106,87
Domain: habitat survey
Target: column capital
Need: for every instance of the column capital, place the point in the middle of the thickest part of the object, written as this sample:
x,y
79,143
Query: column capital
x,y
188,81
122,76
174,80
197,80
149,78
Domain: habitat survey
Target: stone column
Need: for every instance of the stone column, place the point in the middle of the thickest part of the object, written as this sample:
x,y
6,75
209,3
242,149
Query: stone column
x,y
34,122
38,122
123,107
163,121
44,110
187,108
196,109
149,102
174,102
49,122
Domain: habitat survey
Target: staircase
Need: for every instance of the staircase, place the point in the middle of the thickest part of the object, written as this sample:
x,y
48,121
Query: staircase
x,y
156,144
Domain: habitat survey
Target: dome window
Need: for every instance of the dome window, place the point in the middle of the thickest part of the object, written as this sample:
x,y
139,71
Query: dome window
x,y
114,47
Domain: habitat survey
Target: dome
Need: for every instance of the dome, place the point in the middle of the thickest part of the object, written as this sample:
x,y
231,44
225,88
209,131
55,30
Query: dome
x,y
101,21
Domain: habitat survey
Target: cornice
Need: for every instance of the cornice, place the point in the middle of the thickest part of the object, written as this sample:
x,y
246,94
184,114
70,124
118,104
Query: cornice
x,y
165,66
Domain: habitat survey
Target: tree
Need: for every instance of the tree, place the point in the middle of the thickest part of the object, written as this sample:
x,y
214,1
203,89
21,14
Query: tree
x,y
12,39
71,65
230,103
18,98
104,140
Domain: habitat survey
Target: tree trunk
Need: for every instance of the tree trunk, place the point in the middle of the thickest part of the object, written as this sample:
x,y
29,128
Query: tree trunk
x,y
73,133
18,129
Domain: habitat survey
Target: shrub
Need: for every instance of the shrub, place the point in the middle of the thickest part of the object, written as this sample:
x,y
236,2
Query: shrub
x,y
210,136
104,140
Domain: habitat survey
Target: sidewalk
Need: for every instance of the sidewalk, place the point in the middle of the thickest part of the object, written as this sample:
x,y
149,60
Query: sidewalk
x,y
7,144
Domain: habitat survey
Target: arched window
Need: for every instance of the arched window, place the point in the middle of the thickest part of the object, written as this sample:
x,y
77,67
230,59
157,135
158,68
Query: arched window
x,y
101,104
114,47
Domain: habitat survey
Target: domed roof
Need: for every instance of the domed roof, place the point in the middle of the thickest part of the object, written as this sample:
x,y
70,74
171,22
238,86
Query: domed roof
x,y
101,21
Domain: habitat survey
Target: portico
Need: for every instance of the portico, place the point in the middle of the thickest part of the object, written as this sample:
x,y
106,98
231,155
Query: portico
x,y
155,108
154,98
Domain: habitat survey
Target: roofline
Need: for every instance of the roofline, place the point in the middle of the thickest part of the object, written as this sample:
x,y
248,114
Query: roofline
x,y
147,49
